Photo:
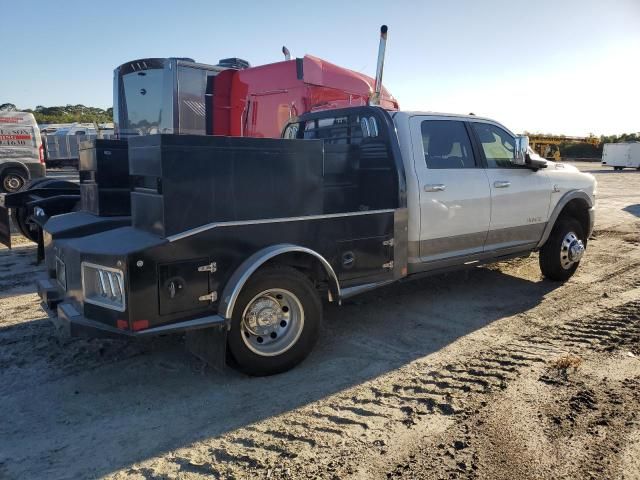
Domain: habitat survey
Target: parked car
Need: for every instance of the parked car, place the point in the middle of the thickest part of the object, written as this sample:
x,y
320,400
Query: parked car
x,y
21,151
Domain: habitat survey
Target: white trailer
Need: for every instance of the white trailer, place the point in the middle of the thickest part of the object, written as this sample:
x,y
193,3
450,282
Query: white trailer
x,y
621,155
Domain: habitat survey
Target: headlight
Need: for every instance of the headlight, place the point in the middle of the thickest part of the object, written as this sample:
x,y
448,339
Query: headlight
x,y
61,273
103,286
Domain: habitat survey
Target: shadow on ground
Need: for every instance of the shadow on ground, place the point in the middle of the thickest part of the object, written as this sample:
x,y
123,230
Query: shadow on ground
x,y
81,408
633,209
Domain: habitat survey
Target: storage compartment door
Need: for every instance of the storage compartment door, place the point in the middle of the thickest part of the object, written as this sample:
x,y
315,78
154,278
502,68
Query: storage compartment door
x,y
364,257
181,285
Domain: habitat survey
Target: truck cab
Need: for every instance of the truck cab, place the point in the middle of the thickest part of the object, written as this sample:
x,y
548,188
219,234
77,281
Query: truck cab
x,y
467,200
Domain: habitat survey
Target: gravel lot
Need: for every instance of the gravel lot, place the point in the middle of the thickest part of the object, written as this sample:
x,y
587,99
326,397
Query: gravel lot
x,y
489,373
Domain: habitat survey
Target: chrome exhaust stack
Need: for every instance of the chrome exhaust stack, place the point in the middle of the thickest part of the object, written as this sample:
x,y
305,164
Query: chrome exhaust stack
x,y
287,54
375,97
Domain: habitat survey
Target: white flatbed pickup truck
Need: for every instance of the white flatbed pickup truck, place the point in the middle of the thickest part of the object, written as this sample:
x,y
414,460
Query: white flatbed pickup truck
x,y
384,196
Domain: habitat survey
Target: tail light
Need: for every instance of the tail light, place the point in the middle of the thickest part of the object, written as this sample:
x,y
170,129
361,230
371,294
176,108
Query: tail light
x,y
41,153
103,286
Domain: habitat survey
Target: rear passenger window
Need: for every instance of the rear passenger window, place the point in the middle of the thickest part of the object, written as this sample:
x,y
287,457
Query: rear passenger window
x,y
446,145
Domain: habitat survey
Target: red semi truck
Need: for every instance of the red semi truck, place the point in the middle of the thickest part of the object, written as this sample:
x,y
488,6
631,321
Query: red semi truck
x,y
259,101
181,96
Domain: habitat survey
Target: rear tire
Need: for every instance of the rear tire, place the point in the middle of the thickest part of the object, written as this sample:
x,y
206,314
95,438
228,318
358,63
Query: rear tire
x,y
12,180
275,323
557,256
19,217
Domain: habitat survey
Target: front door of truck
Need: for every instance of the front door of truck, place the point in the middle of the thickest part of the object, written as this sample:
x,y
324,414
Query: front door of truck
x,y
454,189
520,196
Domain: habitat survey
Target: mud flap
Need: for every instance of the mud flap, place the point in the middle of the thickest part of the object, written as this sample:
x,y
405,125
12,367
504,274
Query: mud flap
x,y
209,345
5,225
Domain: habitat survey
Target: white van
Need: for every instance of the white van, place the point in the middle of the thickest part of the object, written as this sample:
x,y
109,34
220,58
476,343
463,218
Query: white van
x,y
21,150
621,155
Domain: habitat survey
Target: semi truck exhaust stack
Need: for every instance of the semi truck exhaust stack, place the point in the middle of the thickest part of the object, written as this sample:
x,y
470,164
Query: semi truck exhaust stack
x,y
287,54
375,98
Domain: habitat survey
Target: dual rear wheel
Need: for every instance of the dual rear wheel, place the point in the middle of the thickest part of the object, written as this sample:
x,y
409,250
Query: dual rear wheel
x,y
275,323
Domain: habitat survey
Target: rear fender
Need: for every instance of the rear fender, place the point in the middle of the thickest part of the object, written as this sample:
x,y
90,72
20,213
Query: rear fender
x,y
240,277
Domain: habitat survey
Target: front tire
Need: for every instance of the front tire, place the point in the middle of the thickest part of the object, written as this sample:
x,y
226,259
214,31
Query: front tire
x,y
12,180
563,250
275,323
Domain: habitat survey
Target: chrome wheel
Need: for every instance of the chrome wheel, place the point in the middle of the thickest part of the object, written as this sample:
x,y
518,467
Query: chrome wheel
x,y
571,250
272,322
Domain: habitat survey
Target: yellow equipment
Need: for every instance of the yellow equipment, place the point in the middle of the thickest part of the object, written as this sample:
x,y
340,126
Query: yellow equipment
x,y
548,146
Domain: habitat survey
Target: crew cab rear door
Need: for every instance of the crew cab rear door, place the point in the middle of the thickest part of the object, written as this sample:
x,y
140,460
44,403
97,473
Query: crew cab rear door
x,y
453,189
520,196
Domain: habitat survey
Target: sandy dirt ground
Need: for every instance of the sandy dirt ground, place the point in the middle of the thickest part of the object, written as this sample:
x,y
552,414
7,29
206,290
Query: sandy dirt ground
x,y
492,373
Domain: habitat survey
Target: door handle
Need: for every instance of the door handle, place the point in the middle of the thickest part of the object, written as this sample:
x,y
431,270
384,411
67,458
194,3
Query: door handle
x,y
434,187
501,184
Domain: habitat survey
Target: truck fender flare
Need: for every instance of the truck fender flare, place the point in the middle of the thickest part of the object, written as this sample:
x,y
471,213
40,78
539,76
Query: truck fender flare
x,y
566,198
242,274
17,165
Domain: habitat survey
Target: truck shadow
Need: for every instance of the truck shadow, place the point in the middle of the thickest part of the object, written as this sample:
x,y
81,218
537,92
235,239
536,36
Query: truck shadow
x,y
66,401
633,209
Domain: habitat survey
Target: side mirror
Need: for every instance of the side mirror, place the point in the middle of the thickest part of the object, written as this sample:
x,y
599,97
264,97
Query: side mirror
x,y
520,150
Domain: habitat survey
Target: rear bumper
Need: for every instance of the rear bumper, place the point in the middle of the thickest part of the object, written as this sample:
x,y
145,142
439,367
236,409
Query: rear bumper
x,y
36,170
50,293
69,322
206,337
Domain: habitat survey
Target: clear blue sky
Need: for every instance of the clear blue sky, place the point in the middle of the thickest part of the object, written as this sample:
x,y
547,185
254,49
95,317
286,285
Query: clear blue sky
x,y
567,66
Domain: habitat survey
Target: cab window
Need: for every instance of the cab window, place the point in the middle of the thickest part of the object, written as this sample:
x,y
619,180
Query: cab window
x,y
446,145
498,145
334,130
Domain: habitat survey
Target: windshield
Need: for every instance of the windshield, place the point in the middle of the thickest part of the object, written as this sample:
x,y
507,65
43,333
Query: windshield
x,y
143,98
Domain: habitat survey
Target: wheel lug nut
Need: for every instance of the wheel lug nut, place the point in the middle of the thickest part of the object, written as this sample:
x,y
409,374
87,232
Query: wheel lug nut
x,y
274,335
283,324
259,340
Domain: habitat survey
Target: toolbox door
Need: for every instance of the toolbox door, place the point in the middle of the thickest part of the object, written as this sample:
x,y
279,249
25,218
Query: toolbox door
x,y
183,286
364,257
